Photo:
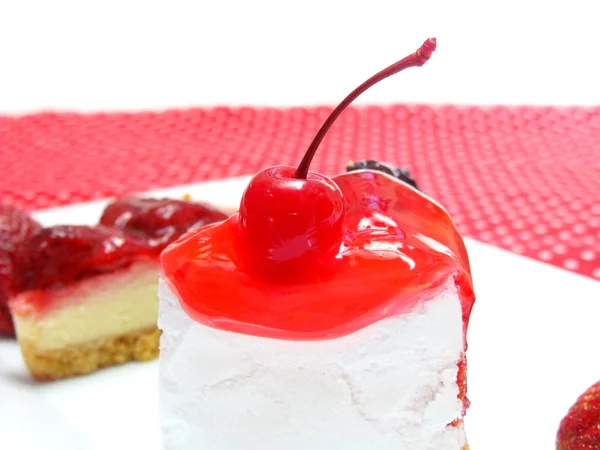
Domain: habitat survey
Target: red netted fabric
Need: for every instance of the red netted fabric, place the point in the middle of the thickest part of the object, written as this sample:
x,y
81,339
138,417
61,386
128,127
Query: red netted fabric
x,y
526,179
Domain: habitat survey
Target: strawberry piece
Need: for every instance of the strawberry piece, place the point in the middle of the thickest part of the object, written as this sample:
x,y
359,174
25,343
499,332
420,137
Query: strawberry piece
x,y
16,227
7,327
580,428
159,221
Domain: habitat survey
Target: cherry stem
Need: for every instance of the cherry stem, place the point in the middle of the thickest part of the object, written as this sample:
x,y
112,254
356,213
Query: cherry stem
x,y
418,58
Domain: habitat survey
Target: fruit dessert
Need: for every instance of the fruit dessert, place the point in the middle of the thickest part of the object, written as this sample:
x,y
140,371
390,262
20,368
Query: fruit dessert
x,y
85,296
580,428
16,227
327,313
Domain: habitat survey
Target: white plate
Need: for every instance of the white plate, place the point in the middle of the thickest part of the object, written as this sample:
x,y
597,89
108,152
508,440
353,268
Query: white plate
x,y
532,350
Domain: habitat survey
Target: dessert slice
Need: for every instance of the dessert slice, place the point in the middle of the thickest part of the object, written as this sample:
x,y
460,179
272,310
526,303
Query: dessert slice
x,y
16,227
326,314
86,296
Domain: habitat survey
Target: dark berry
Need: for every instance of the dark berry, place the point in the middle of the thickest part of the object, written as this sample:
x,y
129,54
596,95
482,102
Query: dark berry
x,y
371,164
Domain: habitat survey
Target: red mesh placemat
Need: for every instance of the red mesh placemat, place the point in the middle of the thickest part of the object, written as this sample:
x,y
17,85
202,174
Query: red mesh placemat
x,y
525,179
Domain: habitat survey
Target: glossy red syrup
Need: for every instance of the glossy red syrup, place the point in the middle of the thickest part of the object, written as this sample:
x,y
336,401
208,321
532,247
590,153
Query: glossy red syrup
x,y
398,248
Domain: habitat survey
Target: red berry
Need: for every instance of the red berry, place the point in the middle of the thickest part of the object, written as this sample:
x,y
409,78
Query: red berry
x,y
580,428
16,227
62,254
158,221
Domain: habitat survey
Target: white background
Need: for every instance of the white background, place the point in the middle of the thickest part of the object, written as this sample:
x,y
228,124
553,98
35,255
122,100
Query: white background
x,y
129,54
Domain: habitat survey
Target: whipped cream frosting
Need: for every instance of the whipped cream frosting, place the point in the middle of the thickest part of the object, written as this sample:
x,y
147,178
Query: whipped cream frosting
x,y
391,385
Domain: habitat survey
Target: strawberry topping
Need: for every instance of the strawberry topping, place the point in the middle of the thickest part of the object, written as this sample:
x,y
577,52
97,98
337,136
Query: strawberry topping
x,y
130,229
62,254
158,221
16,227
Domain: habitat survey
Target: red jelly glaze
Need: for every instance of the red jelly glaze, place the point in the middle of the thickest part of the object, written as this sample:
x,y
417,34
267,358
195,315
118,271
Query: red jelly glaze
x,y
158,222
398,248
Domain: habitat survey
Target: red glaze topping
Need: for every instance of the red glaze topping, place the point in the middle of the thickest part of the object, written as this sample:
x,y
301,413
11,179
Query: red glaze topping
x,y
16,227
158,222
308,257
397,247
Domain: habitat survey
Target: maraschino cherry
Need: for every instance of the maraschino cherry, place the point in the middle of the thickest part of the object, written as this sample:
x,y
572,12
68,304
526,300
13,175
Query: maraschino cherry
x,y
290,217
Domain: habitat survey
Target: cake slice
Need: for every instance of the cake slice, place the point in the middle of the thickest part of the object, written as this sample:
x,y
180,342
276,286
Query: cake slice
x,y
85,297
326,314
367,354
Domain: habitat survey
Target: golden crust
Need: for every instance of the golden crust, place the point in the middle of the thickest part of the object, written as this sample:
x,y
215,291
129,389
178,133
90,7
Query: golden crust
x,y
141,345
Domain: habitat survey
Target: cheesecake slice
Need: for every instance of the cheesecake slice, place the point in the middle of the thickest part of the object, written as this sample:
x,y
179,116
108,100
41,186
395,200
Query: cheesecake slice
x,y
85,298
100,321
326,314
366,352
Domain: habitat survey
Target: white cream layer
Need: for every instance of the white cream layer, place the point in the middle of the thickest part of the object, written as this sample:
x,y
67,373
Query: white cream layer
x,y
94,308
390,386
